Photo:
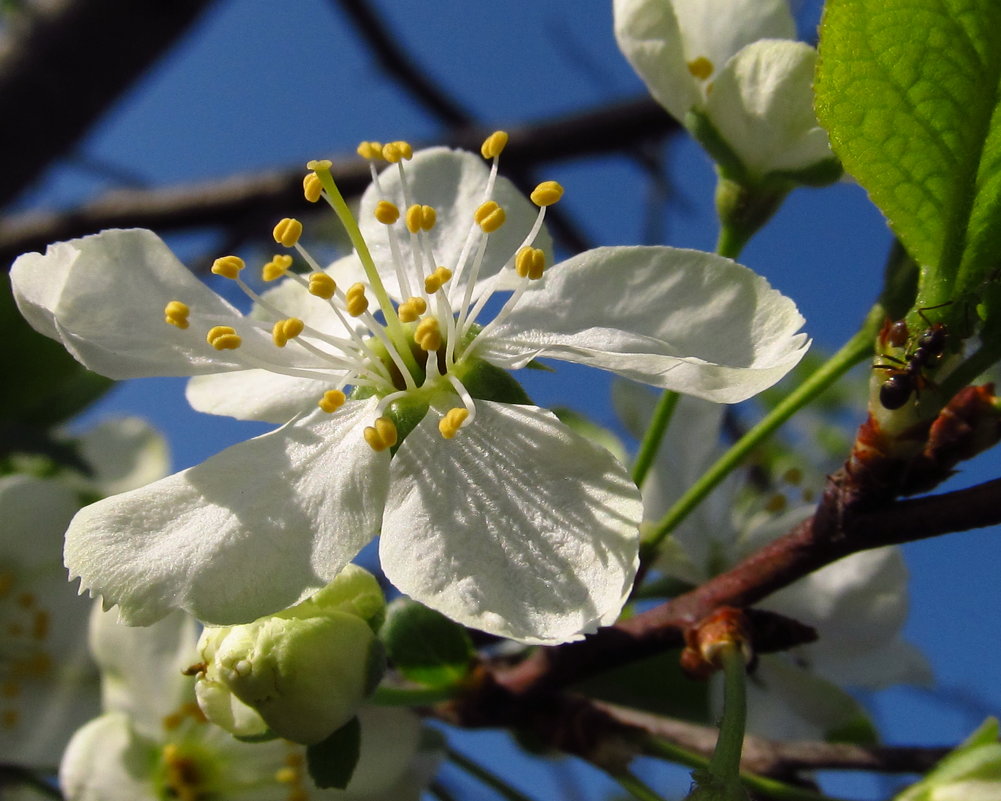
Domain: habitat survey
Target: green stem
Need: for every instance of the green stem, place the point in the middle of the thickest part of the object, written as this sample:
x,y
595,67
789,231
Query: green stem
x,y
725,762
635,786
730,241
852,352
487,777
654,435
412,696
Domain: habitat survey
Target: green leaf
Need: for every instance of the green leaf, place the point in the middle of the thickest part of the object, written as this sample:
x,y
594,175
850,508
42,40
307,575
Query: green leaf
x,y
909,93
332,762
425,646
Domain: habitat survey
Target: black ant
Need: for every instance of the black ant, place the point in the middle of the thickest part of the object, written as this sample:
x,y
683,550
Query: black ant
x,y
909,376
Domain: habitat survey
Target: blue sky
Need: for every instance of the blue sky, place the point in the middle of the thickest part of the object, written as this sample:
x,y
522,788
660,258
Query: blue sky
x,y
261,84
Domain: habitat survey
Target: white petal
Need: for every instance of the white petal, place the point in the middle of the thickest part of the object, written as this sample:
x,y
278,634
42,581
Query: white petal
x,y
518,526
660,38
684,320
106,761
141,666
256,394
252,530
762,106
454,183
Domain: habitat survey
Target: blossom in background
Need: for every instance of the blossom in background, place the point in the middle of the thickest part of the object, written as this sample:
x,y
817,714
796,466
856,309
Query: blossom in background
x,y
970,772
729,71
858,604
152,741
490,510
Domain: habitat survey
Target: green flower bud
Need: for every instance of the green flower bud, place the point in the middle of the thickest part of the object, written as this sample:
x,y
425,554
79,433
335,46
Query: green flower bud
x,y
301,673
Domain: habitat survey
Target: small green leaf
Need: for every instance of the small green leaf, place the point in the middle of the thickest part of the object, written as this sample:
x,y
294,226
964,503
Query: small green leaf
x,y
909,93
425,646
332,762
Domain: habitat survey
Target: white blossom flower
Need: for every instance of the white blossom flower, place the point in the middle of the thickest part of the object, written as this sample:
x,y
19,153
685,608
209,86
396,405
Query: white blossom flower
x,y
152,742
490,510
858,604
728,70
970,772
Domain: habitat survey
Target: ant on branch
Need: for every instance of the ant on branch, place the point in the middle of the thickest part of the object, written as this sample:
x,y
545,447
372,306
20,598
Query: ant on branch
x,y
906,375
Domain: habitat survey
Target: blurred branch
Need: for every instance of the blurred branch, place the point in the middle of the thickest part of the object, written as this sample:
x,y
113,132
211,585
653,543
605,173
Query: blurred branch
x,y
229,201
64,63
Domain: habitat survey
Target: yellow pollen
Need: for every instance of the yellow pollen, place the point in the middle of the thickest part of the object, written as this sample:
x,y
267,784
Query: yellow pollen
x,y
286,775
223,337
547,193
397,151
319,165
311,187
489,216
357,303
428,334
494,144
322,285
176,313
26,600
387,213
776,503
287,232
411,309
530,263
277,267
381,435
228,266
287,329
332,400
450,424
437,280
421,218
370,150
701,68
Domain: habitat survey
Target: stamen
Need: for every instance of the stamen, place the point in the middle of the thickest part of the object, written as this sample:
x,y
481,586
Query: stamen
x,y
437,280
288,231
387,213
489,216
395,152
381,435
371,151
277,267
332,400
311,187
223,337
322,285
176,313
494,144
450,424
287,329
421,218
428,334
357,303
411,309
547,193
701,68
228,266
530,263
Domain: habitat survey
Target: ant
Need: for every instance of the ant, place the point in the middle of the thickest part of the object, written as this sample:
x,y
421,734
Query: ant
x,y
909,377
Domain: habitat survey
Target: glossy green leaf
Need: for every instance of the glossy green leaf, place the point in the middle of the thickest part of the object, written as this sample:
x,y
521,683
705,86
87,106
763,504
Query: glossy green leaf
x,y
908,91
425,646
332,762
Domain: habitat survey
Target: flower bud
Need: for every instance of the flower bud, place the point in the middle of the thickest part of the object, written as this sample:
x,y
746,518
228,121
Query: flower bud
x,y
301,673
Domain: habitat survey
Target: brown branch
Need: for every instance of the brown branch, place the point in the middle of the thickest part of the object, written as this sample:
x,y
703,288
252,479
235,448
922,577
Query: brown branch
x,y
66,63
274,194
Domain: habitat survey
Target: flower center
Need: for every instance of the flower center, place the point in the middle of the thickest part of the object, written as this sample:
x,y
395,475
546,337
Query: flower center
x,y
23,655
413,350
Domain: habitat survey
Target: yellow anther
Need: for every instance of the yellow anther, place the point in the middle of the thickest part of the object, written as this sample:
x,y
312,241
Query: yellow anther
x,y
387,213
287,232
176,313
319,165
287,329
450,424
530,263
701,68
357,303
277,267
312,188
428,334
370,150
494,144
411,309
421,218
489,216
437,280
397,151
228,266
547,193
222,337
776,503
286,775
322,285
381,435
332,400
